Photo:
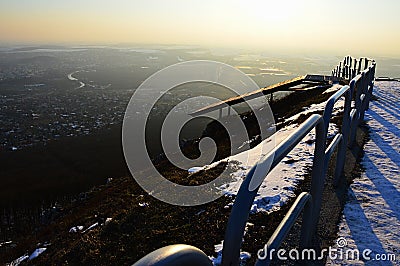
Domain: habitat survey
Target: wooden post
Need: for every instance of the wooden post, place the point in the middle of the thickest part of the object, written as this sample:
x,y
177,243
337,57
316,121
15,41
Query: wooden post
x,y
354,69
366,63
359,66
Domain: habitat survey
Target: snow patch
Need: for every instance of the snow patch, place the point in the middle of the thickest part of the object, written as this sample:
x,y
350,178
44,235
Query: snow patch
x,y
195,169
244,256
278,187
76,229
90,227
5,243
36,253
18,261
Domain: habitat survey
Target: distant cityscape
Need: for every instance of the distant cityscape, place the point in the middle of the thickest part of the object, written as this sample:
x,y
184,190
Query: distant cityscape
x,y
36,117
51,92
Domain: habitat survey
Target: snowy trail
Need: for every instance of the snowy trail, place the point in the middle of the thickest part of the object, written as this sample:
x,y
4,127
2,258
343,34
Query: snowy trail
x,y
371,217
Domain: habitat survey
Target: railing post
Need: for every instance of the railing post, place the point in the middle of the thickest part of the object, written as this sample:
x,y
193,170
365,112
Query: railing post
x,y
345,130
350,61
354,71
307,226
372,83
364,100
351,68
357,90
362,106
317,174
359,66
366,63
353,127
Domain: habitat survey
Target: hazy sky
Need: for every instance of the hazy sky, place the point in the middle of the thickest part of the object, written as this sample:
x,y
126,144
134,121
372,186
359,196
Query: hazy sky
x,y
340,26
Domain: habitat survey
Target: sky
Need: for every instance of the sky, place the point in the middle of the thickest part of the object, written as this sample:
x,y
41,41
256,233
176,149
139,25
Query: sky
x,y
328,26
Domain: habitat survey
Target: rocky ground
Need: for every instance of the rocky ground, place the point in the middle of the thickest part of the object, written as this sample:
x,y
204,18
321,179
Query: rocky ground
x,y
120,223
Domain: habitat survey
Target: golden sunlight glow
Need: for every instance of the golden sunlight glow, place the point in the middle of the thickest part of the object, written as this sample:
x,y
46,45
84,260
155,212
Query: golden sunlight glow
x,y
291,25
275,11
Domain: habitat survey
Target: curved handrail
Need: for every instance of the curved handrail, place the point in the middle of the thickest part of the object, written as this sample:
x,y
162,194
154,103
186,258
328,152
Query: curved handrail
x,y
303,202
362,85
245,197
173,255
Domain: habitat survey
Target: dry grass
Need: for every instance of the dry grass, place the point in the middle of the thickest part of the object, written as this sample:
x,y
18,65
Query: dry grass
x,y
137,230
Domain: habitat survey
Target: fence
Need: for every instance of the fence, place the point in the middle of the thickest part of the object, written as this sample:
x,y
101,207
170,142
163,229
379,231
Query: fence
x,y
351,67
359,92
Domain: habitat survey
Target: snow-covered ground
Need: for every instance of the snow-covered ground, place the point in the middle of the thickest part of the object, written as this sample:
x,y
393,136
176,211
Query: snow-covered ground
x,y
371,217
26,257
281,182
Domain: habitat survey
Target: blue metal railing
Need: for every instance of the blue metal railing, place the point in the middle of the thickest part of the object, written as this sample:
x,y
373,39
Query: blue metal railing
x,y
244,199
303,202
360,88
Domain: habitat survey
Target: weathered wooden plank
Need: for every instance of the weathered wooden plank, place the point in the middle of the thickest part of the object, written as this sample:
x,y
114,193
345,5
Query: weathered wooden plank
x,y
285,85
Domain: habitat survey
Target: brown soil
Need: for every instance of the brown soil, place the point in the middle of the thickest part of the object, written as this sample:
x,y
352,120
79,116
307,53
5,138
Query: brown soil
x,y
137,228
